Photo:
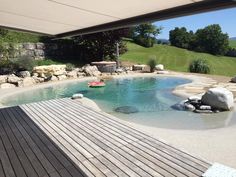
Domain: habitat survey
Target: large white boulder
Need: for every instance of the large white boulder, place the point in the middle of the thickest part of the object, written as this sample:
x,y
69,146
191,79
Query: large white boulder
x,y
159,67
7,86
233,79
219,98
56,70
91,70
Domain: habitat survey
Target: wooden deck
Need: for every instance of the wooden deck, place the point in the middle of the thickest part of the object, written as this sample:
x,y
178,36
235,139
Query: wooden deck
x,y
62,138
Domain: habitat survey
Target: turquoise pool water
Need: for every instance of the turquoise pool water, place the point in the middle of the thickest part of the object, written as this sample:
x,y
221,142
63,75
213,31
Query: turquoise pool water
x,y
151,96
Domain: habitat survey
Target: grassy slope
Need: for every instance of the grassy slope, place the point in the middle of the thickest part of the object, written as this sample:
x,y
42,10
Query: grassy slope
x,y
177,59
232,43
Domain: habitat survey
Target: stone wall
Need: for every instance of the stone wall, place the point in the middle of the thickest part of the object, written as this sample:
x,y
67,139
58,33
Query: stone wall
x,y
37,51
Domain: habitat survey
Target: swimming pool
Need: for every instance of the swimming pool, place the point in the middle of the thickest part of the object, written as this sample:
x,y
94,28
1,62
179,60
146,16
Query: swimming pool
x,y
150,97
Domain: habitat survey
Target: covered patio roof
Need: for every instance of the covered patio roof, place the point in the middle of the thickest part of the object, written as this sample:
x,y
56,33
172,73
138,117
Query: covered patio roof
x,y
63,18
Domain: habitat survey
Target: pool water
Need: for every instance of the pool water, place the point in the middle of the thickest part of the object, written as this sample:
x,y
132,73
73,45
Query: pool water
x,y
151,96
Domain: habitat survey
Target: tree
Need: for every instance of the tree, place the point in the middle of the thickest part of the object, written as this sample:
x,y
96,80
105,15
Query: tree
x,y
101,46
145,34
211,39
180,37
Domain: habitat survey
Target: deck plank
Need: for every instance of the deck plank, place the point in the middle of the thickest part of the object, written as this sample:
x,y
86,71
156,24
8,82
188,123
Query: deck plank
x,y
180,159
63,138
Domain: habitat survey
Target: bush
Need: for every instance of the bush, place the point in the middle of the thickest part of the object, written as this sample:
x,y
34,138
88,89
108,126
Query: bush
x,y
46,61
145,42
152,64
231,52
23,63
199,66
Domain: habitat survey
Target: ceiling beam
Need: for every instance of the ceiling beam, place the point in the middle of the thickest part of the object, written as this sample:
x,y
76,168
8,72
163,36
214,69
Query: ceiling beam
x,y
190,9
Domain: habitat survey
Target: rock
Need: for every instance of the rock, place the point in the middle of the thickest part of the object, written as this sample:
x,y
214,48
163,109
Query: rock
x,y
38,79
159,67
72,74
119,70
205,107
54,78
194,98
189,107
12,79
218,98
29,46
127,109
80,74
91,70
28,81
3,79
61,77
38,52
179,106
35,74
162,72
233,79
7,86
203,111
139,67
50,70
40,45
23,74
77,96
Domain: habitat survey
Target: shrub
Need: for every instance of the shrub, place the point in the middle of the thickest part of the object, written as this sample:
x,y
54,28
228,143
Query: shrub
x,y
199,66
46,61
144,41
23,63
231,52
152,63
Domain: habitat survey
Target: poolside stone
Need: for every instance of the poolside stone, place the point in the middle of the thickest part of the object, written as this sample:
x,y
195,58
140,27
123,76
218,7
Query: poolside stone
x,y
203,111
77,96
3,79
72,74
7,86
38,79
233,79
179,106
205,107
219,98
81,74
50,70
159,67
53,78
23,74
28,81
162,72
91,70
12,79
139,67
127,109
189,107
61,77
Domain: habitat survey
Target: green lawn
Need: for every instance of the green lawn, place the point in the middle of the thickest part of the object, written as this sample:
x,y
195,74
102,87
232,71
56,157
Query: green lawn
x,y
177,59
232,43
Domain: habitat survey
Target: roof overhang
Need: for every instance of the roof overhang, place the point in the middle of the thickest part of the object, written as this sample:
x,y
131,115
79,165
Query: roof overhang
x,y
63,18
